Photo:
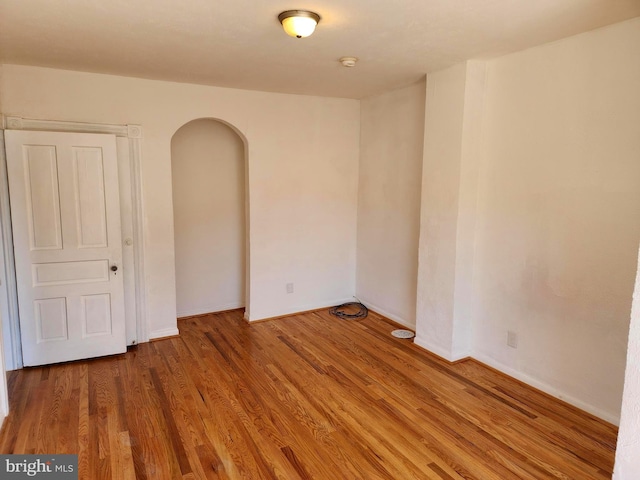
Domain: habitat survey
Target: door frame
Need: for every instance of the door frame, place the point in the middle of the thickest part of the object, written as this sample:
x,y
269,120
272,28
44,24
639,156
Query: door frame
x,y
8,287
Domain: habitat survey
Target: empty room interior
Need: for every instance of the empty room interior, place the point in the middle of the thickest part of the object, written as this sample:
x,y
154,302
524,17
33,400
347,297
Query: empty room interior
x,y
188,188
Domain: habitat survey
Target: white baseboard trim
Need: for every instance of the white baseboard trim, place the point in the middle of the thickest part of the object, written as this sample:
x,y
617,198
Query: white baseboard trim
x,y
299,309
209,309
531,381
554,392
167,332
441,352
372,306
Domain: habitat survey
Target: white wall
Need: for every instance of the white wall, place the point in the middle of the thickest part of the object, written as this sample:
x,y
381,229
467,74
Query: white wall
x,y
391,140
208,176
439,213
627,466
559,225
452,158
5,327
530,207
4,392
5,270
303,172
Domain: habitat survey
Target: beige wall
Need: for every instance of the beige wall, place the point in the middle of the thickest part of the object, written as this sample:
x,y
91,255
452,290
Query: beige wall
x,y
303,172
208,177
391,138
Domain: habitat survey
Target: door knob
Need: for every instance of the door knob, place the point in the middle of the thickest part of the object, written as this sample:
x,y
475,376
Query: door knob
x,y
114,268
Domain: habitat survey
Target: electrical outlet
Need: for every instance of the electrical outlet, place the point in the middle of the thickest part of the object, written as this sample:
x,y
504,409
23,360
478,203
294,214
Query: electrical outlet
x,y
512,339
289,287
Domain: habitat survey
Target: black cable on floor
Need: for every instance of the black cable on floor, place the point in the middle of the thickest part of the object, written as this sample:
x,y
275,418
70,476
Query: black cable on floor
x,y
346,311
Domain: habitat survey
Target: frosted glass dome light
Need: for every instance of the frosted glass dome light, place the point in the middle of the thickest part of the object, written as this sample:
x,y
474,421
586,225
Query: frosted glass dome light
x,y
299,23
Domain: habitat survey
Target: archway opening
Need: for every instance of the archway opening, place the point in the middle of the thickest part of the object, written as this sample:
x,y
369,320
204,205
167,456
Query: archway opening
x,y
209,211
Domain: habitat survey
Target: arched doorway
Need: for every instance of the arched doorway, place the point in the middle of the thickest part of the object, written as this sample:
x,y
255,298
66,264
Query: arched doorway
x,y
208,180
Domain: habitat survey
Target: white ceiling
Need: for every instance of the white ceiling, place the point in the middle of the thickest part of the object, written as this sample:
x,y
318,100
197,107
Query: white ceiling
x,y
239,43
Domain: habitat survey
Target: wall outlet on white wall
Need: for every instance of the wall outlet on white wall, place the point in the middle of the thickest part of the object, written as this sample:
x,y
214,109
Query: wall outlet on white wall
x,y
512,339
289,287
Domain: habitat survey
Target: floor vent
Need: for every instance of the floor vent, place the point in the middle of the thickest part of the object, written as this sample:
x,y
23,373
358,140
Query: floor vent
x,y
403,334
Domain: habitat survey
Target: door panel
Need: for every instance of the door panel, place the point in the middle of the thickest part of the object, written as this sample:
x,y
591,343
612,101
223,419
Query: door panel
x,y
96,315
90,200
66,226
51,319
70,272
43,201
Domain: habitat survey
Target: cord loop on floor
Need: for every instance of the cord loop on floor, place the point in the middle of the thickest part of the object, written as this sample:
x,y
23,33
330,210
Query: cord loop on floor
x,y
346,311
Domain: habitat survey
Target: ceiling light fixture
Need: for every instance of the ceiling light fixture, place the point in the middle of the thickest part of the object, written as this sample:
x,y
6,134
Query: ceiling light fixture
x,y
299,23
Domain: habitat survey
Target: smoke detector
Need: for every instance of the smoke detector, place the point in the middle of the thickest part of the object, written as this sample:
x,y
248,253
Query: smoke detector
x,y
348,61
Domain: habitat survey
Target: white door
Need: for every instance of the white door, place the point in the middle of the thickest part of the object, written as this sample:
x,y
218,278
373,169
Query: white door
x,y
65,214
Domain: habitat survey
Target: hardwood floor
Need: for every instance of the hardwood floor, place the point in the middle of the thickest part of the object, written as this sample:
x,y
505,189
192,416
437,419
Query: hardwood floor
x,y
309,396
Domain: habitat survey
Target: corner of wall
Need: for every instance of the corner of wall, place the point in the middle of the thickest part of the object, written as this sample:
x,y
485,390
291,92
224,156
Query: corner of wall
x,y
372,306
391,143
451,167
627,464
449,356
165,333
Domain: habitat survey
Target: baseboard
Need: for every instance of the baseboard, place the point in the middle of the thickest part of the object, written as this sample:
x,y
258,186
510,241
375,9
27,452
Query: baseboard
x,y
440,352
372,306
548,389
192,312
287,315
524,378
160,334
298,309
207,314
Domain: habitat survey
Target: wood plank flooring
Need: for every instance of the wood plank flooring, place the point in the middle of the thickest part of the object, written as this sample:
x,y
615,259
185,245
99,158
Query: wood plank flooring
x,y
305,397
